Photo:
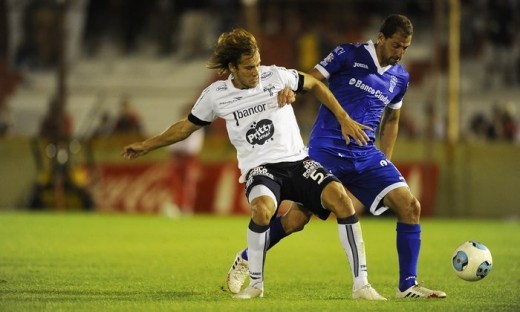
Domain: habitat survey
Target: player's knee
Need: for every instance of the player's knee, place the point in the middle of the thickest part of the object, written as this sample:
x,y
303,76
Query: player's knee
x,y
415,208
262,209
411,212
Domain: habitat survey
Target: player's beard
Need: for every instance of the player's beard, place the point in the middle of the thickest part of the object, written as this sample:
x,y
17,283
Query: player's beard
x,y
247,82
392,59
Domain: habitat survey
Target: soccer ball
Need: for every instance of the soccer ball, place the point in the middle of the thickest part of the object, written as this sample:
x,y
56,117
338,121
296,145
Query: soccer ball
x,y
472,261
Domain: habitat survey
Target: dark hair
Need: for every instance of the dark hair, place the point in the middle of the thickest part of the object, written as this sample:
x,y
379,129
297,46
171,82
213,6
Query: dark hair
x,y
229,49
395,23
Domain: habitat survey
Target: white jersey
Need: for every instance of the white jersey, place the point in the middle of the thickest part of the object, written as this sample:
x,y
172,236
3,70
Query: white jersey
x,y
261,131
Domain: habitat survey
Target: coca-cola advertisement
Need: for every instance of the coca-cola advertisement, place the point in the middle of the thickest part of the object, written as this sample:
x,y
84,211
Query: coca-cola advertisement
x,y
137,188
186,188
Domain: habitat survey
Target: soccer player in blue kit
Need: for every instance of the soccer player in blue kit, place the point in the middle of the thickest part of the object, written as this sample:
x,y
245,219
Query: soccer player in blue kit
x,y
369,83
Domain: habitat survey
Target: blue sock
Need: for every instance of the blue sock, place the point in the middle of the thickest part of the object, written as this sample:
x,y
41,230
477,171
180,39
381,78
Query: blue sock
x,y
275,235
408,246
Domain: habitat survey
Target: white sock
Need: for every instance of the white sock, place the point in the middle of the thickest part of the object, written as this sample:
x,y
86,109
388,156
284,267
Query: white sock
x,y
351,239
257,244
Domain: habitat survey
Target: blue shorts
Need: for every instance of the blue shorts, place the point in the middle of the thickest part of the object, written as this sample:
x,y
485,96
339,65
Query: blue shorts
x,y
369,176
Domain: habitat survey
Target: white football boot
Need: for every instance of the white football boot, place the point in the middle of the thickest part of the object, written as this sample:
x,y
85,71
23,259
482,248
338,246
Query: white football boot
x,y
419,291
367,292
238,274
250,292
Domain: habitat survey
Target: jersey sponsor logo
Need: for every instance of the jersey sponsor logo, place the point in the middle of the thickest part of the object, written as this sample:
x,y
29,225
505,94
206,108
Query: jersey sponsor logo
x,y
235,99
257,171
356,64
358,83
311,171
266,75
383,163
248,112
260,132
222,87
311,164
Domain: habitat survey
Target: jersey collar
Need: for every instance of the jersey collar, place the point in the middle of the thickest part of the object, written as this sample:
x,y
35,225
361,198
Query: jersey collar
x,y
372,50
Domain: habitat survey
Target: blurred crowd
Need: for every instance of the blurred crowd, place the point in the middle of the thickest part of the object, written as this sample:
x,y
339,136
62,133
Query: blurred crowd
x,y
490,32
182,27
58,124
291,32
500,125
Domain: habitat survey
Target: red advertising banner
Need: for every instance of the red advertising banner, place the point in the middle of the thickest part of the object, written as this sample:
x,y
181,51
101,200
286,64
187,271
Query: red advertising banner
x,y
190,187
422,178
133,188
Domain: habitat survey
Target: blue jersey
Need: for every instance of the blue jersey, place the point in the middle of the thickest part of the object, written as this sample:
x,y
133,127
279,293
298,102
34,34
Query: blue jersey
x,y
363,88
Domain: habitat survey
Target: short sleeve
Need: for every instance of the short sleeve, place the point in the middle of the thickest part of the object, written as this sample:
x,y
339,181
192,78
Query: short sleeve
x,y
203,108
290,77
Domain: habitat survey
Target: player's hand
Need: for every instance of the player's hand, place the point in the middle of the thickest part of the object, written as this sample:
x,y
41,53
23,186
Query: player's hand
x,y
134,150
286,97
353,129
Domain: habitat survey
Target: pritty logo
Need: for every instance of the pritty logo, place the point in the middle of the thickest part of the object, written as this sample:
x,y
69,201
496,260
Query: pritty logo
x,y
260,132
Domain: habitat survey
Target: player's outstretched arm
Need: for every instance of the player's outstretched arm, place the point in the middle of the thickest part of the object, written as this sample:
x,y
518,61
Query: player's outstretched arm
x,y
175,133
349,127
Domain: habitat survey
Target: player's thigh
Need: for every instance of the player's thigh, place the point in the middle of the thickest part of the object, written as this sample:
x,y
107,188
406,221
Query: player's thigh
x,y
358,205
295,218
305,185
335,198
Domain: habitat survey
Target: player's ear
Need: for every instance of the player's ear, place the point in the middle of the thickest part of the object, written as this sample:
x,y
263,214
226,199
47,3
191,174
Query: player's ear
x,y
380,38
232,68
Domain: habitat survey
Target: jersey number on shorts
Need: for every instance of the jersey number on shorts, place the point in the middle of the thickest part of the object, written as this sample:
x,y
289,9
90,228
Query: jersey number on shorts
x,y
317,176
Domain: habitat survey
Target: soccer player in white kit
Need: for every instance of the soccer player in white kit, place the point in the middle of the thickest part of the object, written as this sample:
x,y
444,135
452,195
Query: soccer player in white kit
x,y
272,158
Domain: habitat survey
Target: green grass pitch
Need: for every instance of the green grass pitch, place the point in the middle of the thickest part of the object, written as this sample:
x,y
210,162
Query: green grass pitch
x,y
94,262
